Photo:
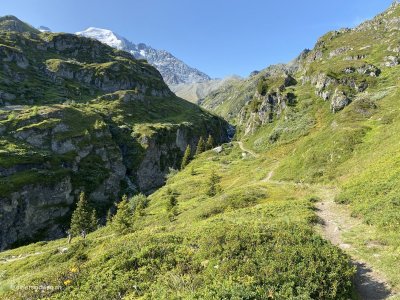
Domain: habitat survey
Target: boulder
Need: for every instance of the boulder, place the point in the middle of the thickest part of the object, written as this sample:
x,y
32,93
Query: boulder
x,y
339,51
391,61
218,149
339,101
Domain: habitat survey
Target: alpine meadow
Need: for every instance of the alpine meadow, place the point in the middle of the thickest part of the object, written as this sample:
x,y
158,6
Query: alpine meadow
x,y
126,173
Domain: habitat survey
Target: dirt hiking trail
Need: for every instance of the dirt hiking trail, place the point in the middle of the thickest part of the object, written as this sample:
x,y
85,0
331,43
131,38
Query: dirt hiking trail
x,y
336,220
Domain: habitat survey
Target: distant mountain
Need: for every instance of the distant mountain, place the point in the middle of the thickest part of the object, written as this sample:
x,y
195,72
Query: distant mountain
x,y
44,29
11,23
173,70
197,91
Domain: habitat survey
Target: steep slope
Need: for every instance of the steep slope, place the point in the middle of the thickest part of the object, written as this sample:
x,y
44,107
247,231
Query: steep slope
x,y
334,120
342,64
173,70
78,115
229,99
12,23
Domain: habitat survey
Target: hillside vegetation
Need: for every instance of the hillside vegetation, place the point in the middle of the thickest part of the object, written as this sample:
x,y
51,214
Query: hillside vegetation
x,y
332,118
240,221
252,240
77,115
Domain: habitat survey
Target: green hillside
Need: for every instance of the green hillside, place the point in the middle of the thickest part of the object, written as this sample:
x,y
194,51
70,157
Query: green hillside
x,y
303,204
253,240
338,125
77,115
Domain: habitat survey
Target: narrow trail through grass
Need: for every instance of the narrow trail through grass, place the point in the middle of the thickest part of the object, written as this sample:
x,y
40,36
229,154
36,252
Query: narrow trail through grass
x,y
335,221
244,149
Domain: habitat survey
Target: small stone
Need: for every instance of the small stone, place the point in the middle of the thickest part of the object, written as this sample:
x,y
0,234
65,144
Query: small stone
x,y
218,149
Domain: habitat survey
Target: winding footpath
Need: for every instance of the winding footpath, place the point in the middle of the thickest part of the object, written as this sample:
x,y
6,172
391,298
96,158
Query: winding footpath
x,y
244,149
335,221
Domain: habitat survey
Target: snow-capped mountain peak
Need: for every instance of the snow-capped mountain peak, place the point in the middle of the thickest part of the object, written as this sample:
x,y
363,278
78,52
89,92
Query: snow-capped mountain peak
x,y
105,36
173,70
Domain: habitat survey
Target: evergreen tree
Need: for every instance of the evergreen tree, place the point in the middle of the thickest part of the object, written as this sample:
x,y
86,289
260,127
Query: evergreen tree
x,y
81,217
213,184
139,203
186,157
210,142
172,202
201,147
109,217
123,219
93,221
172,207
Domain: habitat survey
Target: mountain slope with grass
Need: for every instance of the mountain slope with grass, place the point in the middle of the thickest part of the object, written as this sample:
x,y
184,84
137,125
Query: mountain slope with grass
x,y
250,240
77,115
343,64
334,120
304,205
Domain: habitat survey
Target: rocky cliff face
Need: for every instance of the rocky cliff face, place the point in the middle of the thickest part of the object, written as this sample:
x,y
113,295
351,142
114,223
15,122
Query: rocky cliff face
x,y
343,65
268,103
77,115
100,158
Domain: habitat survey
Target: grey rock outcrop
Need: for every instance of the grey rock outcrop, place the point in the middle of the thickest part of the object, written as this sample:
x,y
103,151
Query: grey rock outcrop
x,y
263,109
339,101
29,214
340,51
391,61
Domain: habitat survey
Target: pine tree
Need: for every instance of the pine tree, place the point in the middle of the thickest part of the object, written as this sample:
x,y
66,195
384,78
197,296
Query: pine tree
x,y
210,142
213,184
200,146
93,221
186,157
109,217
123,219
80,220
139,203
172,202
172,207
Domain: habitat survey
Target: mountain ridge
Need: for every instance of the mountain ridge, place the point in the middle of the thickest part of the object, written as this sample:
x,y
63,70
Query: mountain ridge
x,y
78,115
173,70
300,206
231,98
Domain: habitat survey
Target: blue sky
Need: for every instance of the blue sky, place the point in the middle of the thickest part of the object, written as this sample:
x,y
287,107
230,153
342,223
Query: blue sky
x,y
219,37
